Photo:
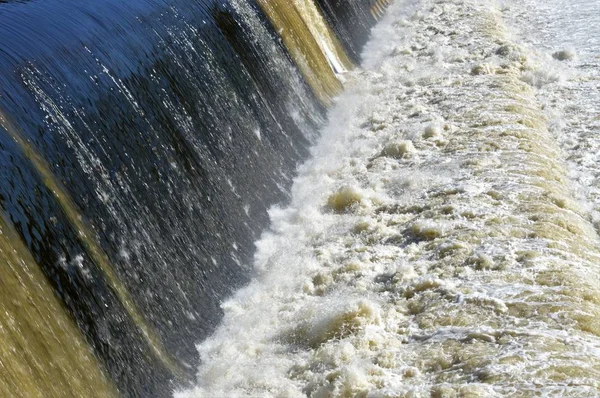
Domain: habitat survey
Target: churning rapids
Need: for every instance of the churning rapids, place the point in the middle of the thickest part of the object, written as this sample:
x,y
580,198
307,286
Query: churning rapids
x,y
443,239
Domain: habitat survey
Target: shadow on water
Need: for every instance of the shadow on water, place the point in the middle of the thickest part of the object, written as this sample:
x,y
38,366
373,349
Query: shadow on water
x,y
168,128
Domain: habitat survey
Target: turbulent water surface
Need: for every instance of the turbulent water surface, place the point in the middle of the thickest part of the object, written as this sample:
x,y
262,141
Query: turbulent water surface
x,y
443,239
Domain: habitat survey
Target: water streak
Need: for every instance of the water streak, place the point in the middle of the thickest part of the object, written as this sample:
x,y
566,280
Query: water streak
x,y
35,331
304,47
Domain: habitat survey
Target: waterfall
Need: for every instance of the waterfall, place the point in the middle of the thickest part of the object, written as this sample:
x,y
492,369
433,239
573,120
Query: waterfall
x,y
141,145
323,198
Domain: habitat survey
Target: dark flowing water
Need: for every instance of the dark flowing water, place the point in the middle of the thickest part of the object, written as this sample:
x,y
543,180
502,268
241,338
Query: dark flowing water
x,y
141,144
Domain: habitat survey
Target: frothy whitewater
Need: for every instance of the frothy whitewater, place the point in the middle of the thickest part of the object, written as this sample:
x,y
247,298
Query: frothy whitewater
x,y
441,241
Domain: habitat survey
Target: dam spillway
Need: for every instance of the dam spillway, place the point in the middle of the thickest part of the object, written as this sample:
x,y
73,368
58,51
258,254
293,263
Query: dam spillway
x,y
440,240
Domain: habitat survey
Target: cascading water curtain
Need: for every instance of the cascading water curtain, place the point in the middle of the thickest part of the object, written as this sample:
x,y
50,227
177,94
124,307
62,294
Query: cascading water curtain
x,y
141,146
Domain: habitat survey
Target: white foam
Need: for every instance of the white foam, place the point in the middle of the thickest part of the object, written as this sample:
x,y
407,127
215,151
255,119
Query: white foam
x,y
434,245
